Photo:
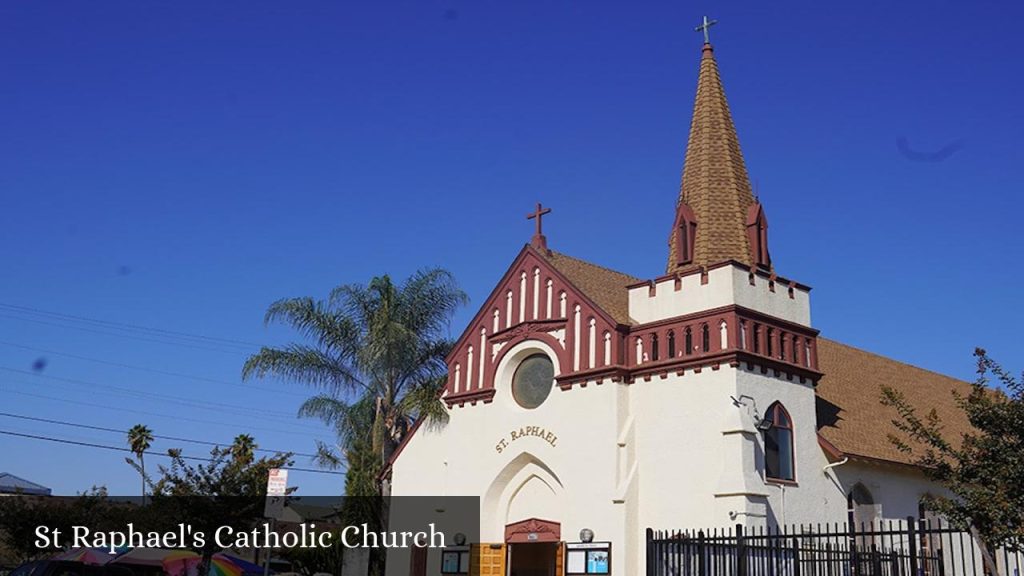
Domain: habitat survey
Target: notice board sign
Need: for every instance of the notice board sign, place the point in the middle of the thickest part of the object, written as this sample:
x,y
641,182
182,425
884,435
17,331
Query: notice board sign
x,y
588,558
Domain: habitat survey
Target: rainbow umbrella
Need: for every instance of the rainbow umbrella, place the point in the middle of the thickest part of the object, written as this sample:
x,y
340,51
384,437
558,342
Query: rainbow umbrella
x,y
223,565
178,562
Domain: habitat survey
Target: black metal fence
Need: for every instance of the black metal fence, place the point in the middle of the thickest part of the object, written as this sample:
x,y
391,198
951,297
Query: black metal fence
x,y
883,548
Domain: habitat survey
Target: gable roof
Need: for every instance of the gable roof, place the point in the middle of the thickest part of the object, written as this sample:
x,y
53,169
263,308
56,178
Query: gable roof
x,y
605,287
11,484
850,414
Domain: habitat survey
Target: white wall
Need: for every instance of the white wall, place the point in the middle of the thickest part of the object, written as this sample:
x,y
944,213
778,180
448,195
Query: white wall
x,y
725,286
576,479
668,452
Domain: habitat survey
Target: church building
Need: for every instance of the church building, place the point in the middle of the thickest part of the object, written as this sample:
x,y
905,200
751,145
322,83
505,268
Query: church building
x,y
587,405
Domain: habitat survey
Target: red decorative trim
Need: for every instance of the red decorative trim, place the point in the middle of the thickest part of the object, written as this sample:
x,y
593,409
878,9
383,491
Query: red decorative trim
x,y
526,328
567,381
394,455
512,328
485,395
533,530
562,355
834,454
684,234
757,237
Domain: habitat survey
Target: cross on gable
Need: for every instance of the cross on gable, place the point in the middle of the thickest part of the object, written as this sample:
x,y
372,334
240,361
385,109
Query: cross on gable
x,y
538,240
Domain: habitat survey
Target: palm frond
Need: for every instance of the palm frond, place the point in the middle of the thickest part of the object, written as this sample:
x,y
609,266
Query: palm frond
x,y
303,364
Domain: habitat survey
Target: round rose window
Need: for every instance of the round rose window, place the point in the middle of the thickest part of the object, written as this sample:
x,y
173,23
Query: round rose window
x,y
532,381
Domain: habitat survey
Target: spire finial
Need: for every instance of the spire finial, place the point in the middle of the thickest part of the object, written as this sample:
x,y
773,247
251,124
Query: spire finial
x,y
539,240
705,28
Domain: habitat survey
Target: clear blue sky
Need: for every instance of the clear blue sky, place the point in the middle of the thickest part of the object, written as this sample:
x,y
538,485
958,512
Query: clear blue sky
x,y
180,165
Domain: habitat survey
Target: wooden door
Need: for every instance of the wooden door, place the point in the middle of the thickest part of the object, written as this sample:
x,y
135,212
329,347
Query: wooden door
x,y
487,559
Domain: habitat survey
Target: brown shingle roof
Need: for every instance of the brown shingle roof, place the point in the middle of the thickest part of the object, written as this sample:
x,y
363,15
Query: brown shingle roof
x,y
605,287
850,414
715,184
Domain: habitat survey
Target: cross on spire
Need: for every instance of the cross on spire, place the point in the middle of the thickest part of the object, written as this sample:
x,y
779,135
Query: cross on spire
x,y
705,28
538,240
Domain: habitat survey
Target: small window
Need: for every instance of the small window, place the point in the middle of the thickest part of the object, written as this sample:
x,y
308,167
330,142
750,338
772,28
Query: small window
x,y
531,384
655,348
688,341
705,338
671,344
778,444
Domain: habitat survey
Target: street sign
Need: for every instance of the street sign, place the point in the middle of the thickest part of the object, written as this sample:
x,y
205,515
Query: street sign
x,y
277,487
277,482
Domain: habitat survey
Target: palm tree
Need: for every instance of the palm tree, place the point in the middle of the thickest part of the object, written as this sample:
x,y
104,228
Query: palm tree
x,y
140,437
375,353
243,449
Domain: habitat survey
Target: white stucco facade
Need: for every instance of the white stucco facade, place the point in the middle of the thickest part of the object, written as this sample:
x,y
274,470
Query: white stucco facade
x,y
671,450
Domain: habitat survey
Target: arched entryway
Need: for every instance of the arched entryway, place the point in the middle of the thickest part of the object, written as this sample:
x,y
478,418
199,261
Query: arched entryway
x,y
534,547
522,509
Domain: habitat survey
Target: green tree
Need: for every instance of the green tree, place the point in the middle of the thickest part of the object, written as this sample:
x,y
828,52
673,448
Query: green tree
x,y
139,440
983,468
229,489
375,353
21,515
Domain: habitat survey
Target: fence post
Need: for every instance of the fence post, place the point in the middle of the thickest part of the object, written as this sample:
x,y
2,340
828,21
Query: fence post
x,y
650,552
912,534
741,552
796,557
702,563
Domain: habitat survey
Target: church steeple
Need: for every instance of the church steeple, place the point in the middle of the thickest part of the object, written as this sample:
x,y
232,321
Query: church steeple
x,y
717,217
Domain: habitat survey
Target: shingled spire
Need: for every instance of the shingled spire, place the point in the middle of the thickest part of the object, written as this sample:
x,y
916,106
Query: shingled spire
x,y
717,217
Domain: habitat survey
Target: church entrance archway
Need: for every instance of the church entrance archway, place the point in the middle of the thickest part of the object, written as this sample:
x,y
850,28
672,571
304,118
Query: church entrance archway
x,y
534,548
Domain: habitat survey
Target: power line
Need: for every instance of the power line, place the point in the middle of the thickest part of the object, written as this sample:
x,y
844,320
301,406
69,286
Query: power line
x,y
175,417
122,449
238,352
152,370
222,407
128,326
119,431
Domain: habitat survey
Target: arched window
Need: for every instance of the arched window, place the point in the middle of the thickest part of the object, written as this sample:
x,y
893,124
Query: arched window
x,y
705,338
861,511
778,444
684,234
671,344
655,349
757,236
688,341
